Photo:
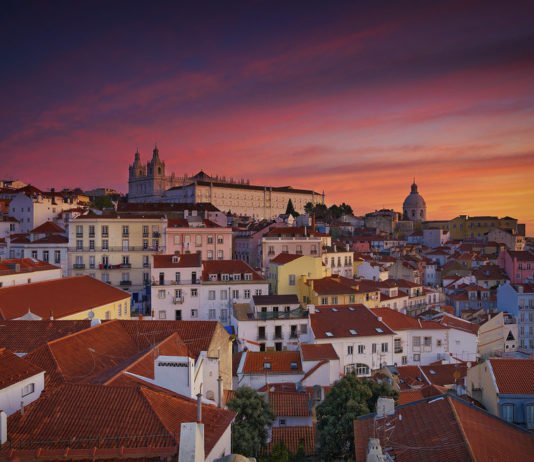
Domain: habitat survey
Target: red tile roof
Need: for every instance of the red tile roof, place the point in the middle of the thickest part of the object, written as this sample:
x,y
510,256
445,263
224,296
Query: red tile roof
x,y
96,422
58,297
48,227
26,336
23,265
514,376
445,374
283,258
228,267
318,352
339,321
457,323
444,429
330,286
280,362
410,396
292,437
14,369
287,404
399,321
186,260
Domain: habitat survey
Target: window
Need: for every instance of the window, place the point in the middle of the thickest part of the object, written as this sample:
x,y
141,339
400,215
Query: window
x,y
235,294
211,295
257,292
45,256
247,293
162,315
91,230
397,345
361,349
146,261
28,389
34,254
125,231
120,310
404,360
161,293
212,314
427,343
105,231
145,230
210,254
79,231
210,239
416,343
529,414
57,256
79,245
145,244
350,350
507,412
178,315
324,300
334,300
384,347
198,240
105,244
374,348
92,262
282,422
194,313
220,254
220,239
224,294
194,292
292,279
304,328
417,357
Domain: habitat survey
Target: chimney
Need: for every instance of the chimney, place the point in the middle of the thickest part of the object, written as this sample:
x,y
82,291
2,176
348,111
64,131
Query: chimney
x,y
175,373
3,427
220,390
385,407
191,442
374,451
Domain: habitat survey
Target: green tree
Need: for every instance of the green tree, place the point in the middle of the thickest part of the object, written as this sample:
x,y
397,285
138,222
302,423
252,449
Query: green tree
x,y
349,398
290,210
346,209
309,208
249,430
103,202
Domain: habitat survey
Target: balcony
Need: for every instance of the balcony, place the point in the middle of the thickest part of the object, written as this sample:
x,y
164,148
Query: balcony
x,y
261,337
125,283
126,265
172,282
156,234
130,248
91,235
146,234
298,313
278,336
78,266
293,335
398,350
178,300
105,235
79,235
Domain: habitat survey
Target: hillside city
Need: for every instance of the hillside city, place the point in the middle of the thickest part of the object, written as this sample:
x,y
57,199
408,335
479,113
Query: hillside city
x,y
207,318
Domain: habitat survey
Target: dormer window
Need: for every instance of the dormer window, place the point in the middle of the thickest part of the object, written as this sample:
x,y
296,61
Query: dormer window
x,y
353,332
329,334
225,277
379,330
293,365
213,277
248,276
267,365
237,277
175,258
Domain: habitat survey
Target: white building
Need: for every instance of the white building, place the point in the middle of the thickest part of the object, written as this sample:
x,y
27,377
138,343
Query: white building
x,y
435,237
362,342
8,225
270,322
21,382
339,261
373,271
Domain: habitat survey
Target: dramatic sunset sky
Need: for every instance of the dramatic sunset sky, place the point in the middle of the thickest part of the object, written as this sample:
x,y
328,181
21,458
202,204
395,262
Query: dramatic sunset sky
x,y
354,98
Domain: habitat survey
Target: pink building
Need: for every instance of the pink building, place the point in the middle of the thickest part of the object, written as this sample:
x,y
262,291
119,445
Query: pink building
x,y
518,264
212,241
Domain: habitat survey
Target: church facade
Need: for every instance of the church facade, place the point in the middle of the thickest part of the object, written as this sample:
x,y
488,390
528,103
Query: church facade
x,y
150,183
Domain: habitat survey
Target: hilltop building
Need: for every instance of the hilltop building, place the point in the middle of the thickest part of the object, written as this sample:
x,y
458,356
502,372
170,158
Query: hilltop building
x,y
414,206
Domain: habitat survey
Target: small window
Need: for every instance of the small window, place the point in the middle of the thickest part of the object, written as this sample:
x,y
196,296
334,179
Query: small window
x,y
329,334
379,330
353,332
293,365
28,389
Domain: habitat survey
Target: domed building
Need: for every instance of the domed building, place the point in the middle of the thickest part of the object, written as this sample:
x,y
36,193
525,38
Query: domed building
x,y
414,207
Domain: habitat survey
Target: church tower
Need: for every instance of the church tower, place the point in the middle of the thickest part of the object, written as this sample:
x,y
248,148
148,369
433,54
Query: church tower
x,y
414,207
136,177
156,174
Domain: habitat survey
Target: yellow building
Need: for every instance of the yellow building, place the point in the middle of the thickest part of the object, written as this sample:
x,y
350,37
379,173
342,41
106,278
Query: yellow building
x,y
67,298
466,227
286,270
116,248
336,290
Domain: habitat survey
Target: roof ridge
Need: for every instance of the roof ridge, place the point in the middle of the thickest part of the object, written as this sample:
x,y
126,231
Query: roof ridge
x,y
144,393
461,428
72,334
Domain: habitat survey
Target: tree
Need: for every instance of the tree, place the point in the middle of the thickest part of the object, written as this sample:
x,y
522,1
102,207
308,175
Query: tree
x,y
346,209
249,430
309,207
103,202
349,398
290,210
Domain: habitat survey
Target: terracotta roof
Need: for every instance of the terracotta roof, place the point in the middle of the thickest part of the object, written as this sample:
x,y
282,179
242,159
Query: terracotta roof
x,y
445,429
299,231
165,207
48,227
445,374
514,376
287,404
23,265
399,321
292,437
184,223
410,396
457,323
50,239
98,421
26,336
280,362
283,258
58,297
186,260
330,286
14,369
411,377
318,352
340,321
228,267
521,255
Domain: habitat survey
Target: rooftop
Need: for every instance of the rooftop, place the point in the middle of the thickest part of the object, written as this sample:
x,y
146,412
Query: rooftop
x,y
272,362
318,352
513,376
12,266
14,369
186,260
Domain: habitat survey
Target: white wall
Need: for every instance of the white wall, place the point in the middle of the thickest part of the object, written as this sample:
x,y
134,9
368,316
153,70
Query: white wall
x,y
34,276
11,397
223,447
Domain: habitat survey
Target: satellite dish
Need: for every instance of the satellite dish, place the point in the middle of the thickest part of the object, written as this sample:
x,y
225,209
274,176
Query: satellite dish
x,y
91,315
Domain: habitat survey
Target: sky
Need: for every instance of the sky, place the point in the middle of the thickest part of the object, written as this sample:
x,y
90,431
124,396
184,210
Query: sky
x,y
353,98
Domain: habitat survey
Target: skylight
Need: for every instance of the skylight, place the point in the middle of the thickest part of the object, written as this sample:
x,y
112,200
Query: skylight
x,y
351,308
334,309
329,334
353,332
293,365
379,330
266,365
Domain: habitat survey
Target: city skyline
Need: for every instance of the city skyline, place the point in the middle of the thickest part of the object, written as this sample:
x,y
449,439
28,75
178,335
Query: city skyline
x,y
352,99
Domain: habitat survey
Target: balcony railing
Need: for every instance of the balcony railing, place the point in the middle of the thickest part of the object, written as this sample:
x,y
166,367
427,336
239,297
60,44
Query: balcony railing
x,y
278,336
172,282
125,283
261,337
131,248
78,266
156,234
126,265
294,314
79,235
178,300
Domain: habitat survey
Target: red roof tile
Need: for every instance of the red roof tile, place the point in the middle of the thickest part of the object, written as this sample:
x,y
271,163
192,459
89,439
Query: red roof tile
x,y
228,267
58,297
444,429
287,404
318,352
410,396
93,419
23,265
280,362
26,336
48,227
399,321
292,437
514,376
457,323
14,369
339,321
186,260
283,258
